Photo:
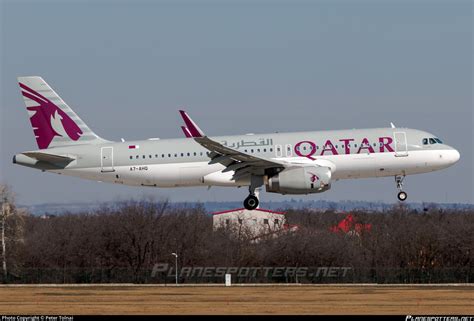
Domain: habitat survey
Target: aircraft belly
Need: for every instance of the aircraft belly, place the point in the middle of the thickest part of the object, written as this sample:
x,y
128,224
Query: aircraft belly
x,y
353,166
416,162
168,175
192,174
384,164
155,175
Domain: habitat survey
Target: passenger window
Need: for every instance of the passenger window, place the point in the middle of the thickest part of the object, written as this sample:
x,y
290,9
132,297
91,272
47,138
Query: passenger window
x,y
144,156
131,157
169,155
182,154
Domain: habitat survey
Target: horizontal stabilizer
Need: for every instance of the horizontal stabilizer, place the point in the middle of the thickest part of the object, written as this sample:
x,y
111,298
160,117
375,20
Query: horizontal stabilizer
x,y
49,158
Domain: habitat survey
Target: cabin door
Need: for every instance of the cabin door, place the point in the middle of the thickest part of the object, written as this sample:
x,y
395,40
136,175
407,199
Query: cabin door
x,y
401,148
107,159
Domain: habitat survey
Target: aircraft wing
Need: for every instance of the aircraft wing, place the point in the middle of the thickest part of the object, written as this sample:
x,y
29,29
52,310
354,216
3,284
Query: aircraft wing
x,y
242,163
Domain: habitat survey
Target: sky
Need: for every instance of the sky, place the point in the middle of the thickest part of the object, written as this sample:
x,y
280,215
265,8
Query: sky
x,y
126,67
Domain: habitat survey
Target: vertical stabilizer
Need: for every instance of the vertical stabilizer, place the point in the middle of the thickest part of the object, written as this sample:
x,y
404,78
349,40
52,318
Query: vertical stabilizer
x,y
54,122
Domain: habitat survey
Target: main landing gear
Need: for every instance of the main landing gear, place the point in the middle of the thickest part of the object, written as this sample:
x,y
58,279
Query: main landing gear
x,y
402,196
251,202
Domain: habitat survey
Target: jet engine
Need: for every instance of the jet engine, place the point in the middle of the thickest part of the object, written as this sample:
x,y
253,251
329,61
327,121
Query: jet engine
x,y
300,180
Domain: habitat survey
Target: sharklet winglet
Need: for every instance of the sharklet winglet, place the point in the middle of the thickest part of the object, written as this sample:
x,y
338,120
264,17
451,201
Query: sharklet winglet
x,y
186,132
191,125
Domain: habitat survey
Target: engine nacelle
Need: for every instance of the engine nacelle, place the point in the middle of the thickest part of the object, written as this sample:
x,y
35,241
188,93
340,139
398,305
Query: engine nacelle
x,y
300,180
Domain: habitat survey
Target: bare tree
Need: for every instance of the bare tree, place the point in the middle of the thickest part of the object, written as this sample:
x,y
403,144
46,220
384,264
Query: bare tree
x,y
11,224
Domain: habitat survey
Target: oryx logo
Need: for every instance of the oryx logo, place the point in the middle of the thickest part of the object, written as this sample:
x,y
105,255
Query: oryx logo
x,y
313,178
48,120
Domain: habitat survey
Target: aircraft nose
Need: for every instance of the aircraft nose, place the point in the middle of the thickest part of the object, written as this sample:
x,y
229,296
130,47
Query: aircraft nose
x,y
456,156
452,156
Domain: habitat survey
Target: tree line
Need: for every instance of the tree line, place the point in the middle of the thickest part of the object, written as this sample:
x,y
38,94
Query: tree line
x,y
123,243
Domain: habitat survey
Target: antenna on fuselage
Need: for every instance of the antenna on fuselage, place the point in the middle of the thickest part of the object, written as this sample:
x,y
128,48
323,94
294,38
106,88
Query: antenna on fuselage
x,y
393,126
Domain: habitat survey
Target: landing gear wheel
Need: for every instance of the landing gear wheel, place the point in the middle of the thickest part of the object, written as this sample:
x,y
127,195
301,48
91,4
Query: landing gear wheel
x,y
251,202
402,196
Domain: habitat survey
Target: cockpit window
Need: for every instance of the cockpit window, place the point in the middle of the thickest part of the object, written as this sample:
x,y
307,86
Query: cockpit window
x,y
431,141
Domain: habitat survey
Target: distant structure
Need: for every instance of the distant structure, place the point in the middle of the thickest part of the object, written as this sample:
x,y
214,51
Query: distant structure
x,y
349,226
254,224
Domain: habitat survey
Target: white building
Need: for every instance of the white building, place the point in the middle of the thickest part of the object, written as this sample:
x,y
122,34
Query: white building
x,y
253,224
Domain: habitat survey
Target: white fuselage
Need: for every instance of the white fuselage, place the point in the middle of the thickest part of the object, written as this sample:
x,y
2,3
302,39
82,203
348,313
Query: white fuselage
x,y
182,162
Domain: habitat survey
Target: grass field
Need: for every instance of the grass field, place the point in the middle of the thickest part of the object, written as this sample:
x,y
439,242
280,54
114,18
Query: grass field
x,y
353,299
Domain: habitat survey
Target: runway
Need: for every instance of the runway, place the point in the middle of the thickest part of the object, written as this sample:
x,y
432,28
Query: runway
x,y
261,299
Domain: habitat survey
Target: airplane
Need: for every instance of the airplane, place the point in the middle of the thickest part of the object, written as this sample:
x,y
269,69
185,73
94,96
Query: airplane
x,y
285,163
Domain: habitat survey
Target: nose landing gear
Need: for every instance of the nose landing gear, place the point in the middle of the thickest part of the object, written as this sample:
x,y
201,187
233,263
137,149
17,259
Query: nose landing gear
x,y
402,196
